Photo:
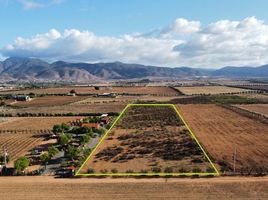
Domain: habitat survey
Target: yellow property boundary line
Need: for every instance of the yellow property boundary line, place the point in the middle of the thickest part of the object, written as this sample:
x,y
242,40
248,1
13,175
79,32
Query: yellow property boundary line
x,y
216,173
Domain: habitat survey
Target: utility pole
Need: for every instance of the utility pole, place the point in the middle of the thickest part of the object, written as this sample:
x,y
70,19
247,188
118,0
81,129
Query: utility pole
x,y
234,157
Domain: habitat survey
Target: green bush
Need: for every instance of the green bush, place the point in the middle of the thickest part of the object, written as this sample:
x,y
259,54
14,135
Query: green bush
x,y
21,164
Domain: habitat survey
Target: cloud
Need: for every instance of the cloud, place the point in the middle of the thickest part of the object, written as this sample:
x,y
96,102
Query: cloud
x,y
33,4
183,43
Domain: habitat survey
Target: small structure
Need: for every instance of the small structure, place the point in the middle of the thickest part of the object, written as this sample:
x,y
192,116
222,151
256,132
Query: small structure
x,y
107,95
72,93
105,119
21,97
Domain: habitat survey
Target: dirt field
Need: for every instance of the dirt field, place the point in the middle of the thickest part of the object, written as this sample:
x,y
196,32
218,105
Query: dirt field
x,y
146,138
32,123
219,130
152,90
210,90
48,101
19,135
257,108
43,188
261,97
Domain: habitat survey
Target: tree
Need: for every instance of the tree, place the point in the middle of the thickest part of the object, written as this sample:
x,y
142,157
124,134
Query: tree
x,y
21,164
101,131
64,139
72,152
52,151
45,157
85,139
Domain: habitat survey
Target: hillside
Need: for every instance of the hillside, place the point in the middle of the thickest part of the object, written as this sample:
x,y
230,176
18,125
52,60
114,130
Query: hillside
x,y
30,69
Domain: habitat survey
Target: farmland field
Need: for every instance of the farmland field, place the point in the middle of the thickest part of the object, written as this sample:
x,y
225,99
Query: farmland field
x,y
147,139
151,90
19,135
195,90
48,101
257,108
221,130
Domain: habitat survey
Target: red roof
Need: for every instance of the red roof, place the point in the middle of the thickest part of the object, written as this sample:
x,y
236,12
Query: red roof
x,y
91,125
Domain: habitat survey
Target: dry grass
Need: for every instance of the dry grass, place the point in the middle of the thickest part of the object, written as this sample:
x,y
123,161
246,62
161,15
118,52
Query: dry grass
x,y
148,137
219,129
210,90
257,108
43,188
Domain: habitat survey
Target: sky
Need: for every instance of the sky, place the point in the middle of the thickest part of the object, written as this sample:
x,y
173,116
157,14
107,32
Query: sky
x,y
196,33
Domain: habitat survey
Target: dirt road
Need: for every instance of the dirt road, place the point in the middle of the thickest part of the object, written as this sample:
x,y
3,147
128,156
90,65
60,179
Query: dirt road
x,y
129,188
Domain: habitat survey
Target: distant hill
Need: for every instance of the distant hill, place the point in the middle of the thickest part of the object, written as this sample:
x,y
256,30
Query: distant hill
x,y
30,69
242,72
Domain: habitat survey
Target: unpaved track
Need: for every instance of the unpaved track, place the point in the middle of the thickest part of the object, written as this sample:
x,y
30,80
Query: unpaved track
x,y
129,188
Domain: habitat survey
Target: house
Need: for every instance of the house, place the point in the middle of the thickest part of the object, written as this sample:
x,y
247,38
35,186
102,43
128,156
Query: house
x,y
72,93
91,125
105,119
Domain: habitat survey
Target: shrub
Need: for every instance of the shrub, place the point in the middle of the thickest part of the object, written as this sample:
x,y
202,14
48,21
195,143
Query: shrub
x,y
21,164
52,151
156,169
210,170
90,171
182,170
168,170
196,170
129,171
45,157
114,171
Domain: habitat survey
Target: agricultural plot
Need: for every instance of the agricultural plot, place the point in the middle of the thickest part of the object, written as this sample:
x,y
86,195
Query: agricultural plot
x,y
224,132
197,90
48,101
148,140
256,108
20,135
139,90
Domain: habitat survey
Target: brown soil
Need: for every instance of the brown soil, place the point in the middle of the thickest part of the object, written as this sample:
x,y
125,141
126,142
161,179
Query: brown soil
x,y
220,129
43,188
48,101
148,137
257,108
210,90
153,90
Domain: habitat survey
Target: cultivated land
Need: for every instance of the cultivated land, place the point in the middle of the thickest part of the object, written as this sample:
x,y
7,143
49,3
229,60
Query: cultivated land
x,y
257,108
220,129
151,90
20,135
148,139
32,188
48,101
196,90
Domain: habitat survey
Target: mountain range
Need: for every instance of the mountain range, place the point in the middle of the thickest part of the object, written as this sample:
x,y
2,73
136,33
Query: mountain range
x,y
32,69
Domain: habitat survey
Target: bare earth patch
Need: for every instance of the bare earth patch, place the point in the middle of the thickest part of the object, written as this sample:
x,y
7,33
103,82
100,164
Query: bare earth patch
x,y
147,138
220,129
